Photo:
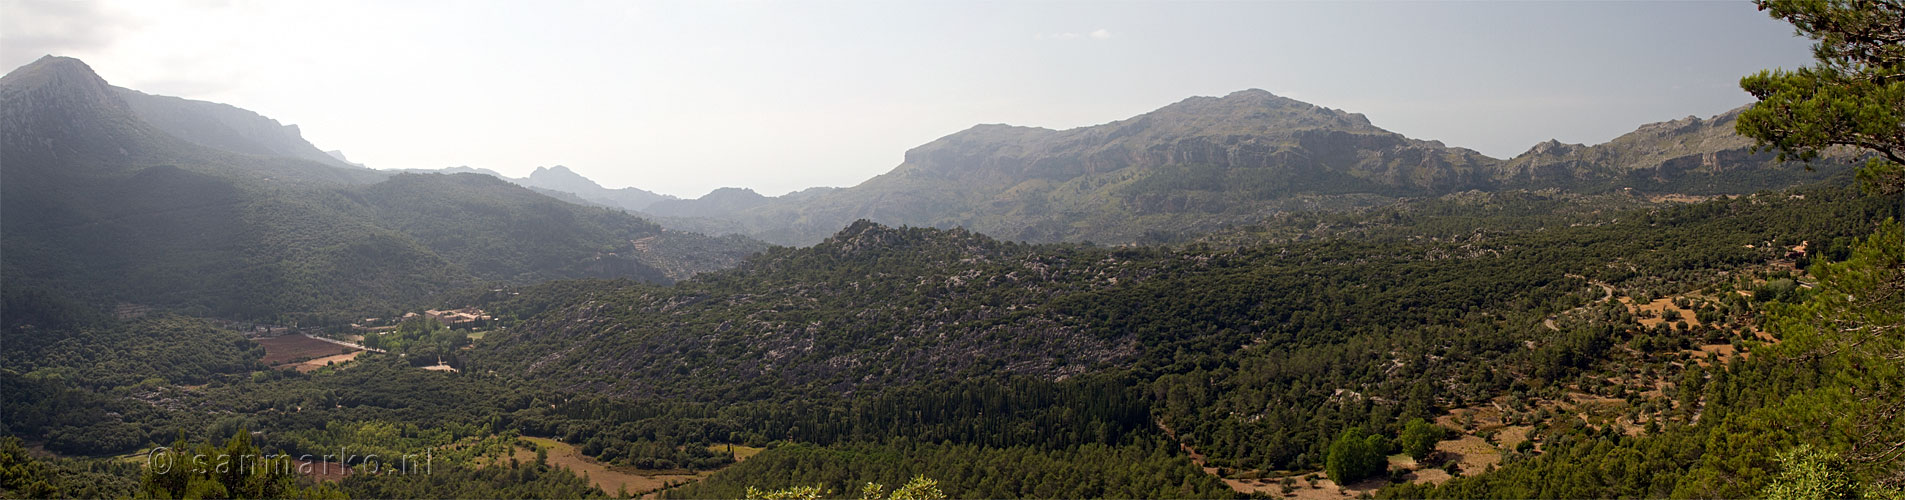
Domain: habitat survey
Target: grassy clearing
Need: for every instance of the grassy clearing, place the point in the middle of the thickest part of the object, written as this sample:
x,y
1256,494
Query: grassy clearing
x,y
618,478
313,365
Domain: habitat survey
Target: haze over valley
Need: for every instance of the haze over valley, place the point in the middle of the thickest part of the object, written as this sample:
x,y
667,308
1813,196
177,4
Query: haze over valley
x,y
1228,293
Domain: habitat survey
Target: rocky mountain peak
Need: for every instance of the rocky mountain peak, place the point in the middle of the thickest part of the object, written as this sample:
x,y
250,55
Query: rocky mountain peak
x,y
1682,125
732,194
1250,94
560,178
555,170
1242,127
53,70
1259,110
61,82
63,99
1552,147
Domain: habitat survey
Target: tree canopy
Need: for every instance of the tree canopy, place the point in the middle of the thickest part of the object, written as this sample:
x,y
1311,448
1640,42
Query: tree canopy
x,y
1854,96
1355,455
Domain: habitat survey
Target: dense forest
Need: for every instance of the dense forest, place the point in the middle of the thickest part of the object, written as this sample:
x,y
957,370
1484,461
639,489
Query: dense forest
x,y
1262,371
1384,332
1828,391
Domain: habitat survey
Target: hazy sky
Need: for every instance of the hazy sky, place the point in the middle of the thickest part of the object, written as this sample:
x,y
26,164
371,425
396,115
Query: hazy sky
x,y
685,97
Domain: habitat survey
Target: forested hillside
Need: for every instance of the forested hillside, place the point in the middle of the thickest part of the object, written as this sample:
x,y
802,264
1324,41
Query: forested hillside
x,y
1294,303
1818,409
828,355
107,208
1207,324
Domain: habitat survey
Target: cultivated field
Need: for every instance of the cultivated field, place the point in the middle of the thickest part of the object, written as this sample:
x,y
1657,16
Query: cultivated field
x,y
288,349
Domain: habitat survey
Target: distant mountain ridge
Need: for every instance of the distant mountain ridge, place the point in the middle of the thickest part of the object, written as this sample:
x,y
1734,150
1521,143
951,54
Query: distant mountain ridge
x,y
339,156
1244,129
1196,166
559,179
225,127
1188,168
105,206
1209,162
1687,154
64,97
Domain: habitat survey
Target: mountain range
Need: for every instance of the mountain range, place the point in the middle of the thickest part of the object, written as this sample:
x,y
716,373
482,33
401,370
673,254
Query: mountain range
x,y
224,127
560,182
113,195
135,194
1540,325
1209,162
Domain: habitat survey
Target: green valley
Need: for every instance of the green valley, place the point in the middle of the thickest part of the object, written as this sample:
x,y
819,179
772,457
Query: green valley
x,y
1245,296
